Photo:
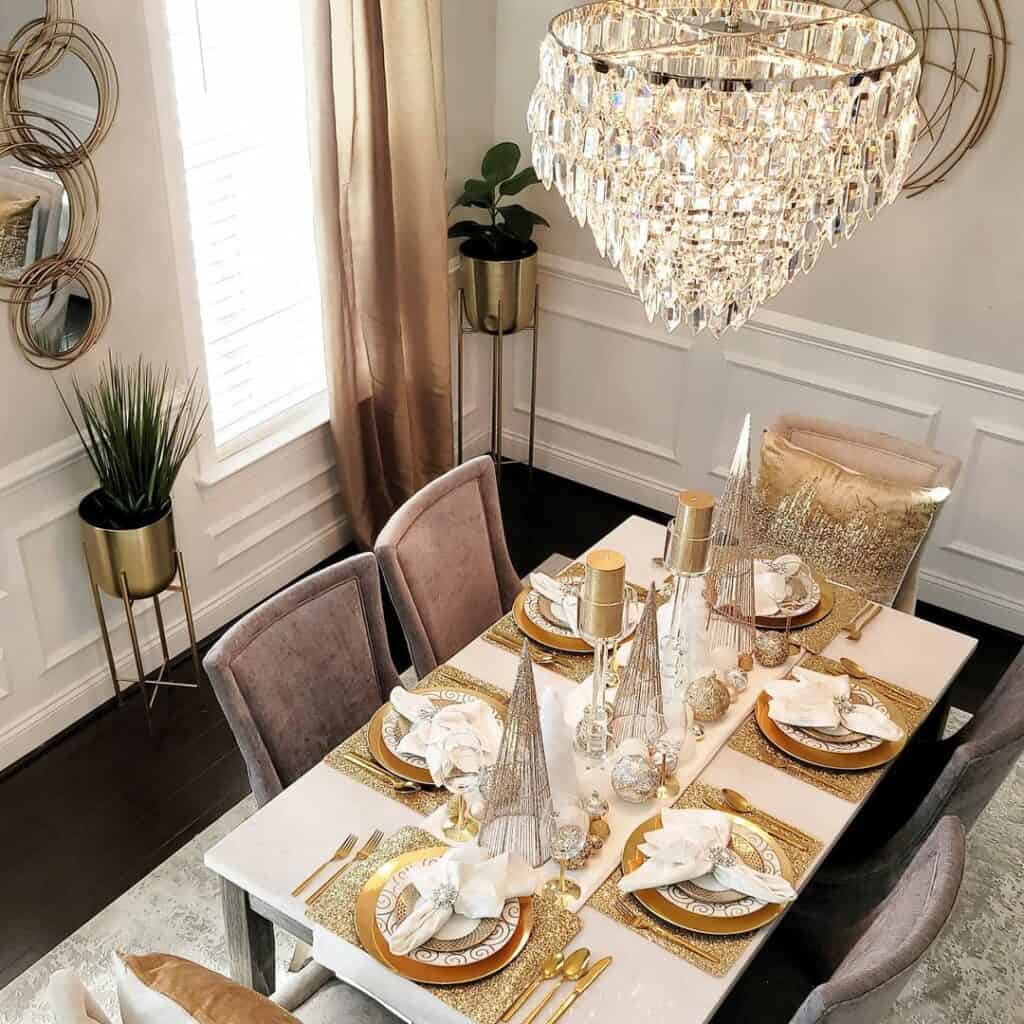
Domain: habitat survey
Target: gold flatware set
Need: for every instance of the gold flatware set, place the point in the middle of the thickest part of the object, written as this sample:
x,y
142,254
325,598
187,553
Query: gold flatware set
x,y
736,803
575,967
538,655
640,922
366,850
859,622
339,854
397,783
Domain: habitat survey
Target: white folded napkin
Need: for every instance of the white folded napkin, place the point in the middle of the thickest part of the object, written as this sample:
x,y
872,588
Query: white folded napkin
x,y
558,746
771,582
816,700
565,602
431,724
692,844
465,882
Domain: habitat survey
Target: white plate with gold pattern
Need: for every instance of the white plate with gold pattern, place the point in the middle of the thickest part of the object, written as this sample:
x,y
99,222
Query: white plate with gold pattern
x,y
840,740
462,941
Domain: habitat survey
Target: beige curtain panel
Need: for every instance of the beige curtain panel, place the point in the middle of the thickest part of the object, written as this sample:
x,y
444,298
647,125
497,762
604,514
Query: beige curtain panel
x,y
378,127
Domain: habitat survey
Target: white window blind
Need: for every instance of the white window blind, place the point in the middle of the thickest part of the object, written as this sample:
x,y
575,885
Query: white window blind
x,y
239,84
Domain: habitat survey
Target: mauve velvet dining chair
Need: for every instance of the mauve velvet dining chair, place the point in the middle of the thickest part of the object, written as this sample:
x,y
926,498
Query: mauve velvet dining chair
x,y
446,563
869,970
957,776
303,671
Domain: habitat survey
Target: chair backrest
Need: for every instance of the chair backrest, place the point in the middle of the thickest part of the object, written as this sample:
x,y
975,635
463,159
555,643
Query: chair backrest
x,y
303,671
877,455
894,938
446,563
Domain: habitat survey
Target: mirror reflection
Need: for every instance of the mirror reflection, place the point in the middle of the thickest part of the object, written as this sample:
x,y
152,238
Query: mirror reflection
x,y
34,208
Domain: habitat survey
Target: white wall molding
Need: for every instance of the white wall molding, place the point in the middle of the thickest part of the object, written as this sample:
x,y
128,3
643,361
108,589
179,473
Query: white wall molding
x,y
79,117
651,424
5,683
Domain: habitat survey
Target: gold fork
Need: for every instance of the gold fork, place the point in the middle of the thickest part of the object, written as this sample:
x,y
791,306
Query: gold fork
x,y
339,854
368,849
640,923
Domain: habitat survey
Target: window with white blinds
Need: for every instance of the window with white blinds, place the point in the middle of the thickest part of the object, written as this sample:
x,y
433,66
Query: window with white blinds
x,y
239,83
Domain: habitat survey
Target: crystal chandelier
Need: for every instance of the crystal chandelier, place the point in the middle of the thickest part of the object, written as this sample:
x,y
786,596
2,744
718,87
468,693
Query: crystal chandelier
x,y
715,148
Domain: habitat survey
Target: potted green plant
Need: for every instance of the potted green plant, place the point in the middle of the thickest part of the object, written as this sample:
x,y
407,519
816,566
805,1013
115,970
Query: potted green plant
x,y
137,436
499,259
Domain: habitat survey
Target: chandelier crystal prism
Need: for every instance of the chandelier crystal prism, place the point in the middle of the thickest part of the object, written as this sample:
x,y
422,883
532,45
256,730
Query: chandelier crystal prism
x,y
715,149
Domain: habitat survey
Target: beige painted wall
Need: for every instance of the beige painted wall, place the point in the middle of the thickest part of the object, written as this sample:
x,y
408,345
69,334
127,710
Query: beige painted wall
x,y
943,272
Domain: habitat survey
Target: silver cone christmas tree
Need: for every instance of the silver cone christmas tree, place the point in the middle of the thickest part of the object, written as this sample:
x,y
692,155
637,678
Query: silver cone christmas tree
x,y
730,580
519,791
641,680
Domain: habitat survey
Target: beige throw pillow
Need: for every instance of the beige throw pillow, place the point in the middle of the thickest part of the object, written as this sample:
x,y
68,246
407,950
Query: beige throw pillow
x,y
162,989
15,225
856,529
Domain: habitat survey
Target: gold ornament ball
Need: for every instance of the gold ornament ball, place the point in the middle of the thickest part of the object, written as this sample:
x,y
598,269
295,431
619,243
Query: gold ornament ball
x,y
771,649
709,698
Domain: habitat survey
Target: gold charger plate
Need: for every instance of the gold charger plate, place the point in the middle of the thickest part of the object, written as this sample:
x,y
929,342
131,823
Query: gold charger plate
x,y
403,769
882,754
703,924
375,943
820,611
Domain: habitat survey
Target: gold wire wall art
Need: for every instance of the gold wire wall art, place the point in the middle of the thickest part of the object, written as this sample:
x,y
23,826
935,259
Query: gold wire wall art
x,y
59,300
964,50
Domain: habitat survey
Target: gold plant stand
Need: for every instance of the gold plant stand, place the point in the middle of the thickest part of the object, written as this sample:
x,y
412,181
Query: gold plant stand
x,y
179,583
497,343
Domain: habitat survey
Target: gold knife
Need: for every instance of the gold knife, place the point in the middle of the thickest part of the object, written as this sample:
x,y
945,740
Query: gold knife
x,y
580,987
397,783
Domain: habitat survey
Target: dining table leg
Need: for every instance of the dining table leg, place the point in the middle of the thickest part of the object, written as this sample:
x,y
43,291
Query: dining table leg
x,y
250,939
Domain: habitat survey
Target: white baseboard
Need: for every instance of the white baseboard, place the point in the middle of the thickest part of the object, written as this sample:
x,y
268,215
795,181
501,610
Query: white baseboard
x,y
23,735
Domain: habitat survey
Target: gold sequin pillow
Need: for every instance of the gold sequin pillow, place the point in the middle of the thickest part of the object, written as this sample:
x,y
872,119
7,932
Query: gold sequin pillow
x,y
15,225
856,529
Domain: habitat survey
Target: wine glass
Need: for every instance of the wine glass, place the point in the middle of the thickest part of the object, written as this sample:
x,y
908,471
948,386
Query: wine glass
x,y
462,760
665,731
568,825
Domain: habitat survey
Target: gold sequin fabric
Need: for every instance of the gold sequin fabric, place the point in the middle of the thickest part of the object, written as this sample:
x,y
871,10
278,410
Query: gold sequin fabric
x,y
573,666
724,949
855,785
819,634
482,1001
427,800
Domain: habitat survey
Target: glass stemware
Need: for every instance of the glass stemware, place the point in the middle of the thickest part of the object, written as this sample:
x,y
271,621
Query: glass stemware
x,y
568,825
666,728
462,761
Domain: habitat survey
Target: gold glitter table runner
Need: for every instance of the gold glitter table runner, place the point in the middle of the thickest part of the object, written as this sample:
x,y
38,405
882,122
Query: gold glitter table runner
x,y
819,634
725,950
573,666
426,801
481,1001
850,785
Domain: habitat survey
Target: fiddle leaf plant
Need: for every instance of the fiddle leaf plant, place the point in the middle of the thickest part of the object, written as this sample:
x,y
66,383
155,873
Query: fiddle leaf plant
x,y
511,224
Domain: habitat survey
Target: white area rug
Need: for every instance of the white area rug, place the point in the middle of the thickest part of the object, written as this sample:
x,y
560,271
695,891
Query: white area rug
x,y
974,975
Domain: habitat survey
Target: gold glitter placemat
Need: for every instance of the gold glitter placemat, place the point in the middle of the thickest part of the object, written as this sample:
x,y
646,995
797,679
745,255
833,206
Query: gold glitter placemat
x,y
816,636
426,801
854,785
724,949
482,1001
573,666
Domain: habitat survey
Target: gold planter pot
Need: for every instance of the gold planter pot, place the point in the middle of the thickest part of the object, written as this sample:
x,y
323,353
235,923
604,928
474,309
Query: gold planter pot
x,y
145,555
513,283
134,564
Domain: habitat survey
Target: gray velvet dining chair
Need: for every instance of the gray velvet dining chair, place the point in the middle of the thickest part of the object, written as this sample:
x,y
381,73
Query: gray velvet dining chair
x,y
869,969
877,455
303,671
446,563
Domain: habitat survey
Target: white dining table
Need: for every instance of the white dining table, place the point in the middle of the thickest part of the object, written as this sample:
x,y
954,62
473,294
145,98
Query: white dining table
x,y
262,859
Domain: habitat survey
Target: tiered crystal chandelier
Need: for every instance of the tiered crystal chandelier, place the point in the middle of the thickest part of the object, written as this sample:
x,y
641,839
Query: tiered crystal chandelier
x,y
714,148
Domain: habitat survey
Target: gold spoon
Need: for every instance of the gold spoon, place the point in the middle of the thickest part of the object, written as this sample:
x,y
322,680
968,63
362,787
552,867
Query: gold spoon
x,y
741,805
853,668
548,970
572,969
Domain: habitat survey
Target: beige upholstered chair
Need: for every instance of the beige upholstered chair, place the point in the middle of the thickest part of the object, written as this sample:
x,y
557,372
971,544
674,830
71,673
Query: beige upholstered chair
x,y
446,563
878,455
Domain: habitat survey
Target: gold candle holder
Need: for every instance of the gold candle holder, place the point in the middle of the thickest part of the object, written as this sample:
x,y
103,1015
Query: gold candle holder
x,y
603,596
689,543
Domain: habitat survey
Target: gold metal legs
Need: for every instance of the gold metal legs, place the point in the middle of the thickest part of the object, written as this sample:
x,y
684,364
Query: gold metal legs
x,y
149,686
497,366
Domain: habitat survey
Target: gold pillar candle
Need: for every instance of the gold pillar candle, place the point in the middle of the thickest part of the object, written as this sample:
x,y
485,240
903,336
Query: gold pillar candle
x,y
690,535
603,595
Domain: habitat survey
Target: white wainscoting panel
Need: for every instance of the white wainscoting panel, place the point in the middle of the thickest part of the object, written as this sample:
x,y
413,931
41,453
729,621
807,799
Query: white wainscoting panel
x,y
628,408
242,538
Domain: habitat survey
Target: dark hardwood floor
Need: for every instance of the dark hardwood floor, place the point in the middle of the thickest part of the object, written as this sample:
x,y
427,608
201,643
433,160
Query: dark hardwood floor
x,y
104,804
